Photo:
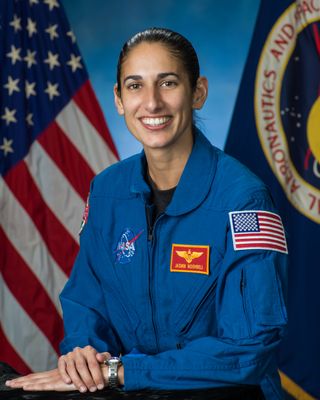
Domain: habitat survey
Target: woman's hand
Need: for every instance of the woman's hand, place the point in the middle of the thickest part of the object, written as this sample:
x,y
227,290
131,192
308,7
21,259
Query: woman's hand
x,y
82,367
48,380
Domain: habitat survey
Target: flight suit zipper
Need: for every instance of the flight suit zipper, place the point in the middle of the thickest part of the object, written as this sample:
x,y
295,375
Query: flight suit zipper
x,y
151,250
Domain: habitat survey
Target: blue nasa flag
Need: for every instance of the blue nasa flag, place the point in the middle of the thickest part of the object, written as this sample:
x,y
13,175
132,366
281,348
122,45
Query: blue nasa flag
x,y
275,132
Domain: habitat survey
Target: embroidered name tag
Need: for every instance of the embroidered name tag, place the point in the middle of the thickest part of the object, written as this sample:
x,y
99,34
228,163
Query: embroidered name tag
x,y
190,258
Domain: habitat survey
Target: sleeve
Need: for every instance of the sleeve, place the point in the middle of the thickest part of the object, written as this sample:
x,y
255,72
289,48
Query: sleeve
x,y
85,315
251,320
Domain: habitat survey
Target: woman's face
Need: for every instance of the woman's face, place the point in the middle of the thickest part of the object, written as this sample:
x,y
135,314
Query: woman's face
x,y
156,97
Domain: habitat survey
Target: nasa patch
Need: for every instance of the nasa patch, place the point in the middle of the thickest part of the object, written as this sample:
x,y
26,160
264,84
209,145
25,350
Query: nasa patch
x,y
126,246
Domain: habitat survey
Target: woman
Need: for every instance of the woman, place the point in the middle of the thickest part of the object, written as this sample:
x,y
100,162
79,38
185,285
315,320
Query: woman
x,y
168,275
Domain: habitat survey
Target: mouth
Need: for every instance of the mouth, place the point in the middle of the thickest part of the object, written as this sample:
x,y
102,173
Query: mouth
x,y
155,122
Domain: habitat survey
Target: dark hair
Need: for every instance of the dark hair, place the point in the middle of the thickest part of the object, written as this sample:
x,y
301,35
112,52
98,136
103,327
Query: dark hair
x,y
177,44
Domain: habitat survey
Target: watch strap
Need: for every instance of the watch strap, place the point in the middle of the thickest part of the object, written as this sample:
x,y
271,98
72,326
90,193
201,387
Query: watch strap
x,y
113,364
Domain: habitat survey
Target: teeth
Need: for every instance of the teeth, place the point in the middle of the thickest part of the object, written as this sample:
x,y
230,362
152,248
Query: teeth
x,y
155,121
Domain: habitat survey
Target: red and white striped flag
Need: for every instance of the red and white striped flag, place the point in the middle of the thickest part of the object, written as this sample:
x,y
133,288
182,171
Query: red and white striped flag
x,y
53,140
257,230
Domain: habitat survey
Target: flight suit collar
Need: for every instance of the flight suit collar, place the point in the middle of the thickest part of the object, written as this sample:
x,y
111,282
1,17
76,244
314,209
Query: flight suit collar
x,y
195,181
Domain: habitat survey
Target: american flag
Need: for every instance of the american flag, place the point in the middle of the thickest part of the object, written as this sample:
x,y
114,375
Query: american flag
x,y
257,230
53,140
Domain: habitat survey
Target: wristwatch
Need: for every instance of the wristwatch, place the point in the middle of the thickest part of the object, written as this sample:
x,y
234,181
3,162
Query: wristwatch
x,y
113,363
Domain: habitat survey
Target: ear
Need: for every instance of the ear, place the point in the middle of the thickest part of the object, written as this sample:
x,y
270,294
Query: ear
x,y
117,100
200,93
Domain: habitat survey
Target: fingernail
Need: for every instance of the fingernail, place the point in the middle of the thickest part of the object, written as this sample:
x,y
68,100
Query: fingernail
x,y
8,383
93,389
83,389
100,386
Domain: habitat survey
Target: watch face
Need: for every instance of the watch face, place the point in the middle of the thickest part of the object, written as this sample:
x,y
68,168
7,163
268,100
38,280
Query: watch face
x,y
114,361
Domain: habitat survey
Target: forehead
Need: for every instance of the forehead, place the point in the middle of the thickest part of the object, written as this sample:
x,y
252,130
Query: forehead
x,y
147,58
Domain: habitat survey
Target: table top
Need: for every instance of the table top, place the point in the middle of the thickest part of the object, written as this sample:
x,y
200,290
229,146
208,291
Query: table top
x,y
244,392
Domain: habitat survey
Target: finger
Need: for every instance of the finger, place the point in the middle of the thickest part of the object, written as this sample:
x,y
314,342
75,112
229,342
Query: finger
x,y
72,371
19,382
57,385
16,380
88,367
85,367
62,370
101,357
12,383
32,387
95,371
33,378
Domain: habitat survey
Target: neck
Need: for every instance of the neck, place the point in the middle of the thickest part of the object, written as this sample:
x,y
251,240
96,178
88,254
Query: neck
x,y
166,166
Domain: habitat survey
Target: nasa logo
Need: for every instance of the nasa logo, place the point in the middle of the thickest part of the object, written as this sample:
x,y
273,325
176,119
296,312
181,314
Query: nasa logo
x,y
125,248
287,104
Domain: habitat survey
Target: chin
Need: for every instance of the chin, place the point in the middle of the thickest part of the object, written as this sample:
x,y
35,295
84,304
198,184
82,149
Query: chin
x,y
156,144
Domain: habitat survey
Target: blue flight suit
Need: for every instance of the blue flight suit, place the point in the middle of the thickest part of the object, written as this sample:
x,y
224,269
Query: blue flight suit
x,y
178,330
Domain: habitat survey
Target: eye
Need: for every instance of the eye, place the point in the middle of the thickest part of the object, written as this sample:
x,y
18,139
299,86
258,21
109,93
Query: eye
x,y
134,86
168,84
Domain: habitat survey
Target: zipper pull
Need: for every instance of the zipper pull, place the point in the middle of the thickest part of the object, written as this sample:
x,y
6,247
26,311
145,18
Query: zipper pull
x,y
242,282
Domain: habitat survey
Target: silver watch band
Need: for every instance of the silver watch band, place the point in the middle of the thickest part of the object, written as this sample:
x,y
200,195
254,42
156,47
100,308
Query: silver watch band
x,y
113,363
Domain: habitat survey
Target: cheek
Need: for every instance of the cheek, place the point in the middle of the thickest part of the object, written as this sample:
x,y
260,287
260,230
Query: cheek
x,y
130,105
181,102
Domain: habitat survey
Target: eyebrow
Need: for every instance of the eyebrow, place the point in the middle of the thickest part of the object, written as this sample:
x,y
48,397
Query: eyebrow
x,y
159,76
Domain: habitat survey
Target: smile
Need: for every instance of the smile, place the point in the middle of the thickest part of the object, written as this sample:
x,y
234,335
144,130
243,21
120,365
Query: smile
x,y
154,122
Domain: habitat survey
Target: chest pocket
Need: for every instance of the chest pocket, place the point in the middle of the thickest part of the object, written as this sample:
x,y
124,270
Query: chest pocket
x,y
196,316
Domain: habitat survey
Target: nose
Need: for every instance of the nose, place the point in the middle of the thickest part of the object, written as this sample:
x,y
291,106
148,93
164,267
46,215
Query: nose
x,y
153,101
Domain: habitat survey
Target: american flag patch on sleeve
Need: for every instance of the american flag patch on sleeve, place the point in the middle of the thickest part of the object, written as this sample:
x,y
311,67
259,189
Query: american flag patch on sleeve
x,y
257,229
